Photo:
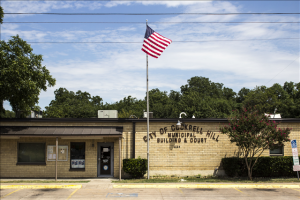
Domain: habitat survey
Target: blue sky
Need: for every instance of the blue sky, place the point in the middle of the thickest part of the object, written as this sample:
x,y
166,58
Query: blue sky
x,y
114,71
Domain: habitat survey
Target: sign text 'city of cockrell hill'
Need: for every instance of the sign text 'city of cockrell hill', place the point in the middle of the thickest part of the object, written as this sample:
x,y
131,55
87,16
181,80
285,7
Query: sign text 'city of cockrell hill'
x,y
185,134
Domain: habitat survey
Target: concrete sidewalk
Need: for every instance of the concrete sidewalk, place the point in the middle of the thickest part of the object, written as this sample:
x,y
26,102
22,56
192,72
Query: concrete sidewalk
x,y
107,184
208,185
92,184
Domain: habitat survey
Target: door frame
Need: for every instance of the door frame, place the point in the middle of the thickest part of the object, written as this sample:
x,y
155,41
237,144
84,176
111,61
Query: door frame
x,y
105,144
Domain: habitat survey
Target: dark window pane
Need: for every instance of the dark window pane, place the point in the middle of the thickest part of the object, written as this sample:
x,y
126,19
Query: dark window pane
x,y
77,155
278,150
31,152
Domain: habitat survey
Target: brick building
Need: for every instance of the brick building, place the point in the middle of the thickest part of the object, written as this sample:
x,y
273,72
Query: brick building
x,y
96,147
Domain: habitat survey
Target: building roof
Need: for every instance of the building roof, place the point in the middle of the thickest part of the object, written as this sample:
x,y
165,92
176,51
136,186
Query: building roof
x,y
124,120
60,131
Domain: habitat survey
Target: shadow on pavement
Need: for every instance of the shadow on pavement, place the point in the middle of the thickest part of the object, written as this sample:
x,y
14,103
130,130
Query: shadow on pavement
x,y
267,190
205,189
47,190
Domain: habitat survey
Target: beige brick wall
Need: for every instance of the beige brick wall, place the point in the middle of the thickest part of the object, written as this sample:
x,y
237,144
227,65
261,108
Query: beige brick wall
x,y
8,158
166,158
192,158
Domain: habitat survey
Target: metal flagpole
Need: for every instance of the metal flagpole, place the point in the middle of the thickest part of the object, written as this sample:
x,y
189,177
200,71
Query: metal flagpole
x,y
147,113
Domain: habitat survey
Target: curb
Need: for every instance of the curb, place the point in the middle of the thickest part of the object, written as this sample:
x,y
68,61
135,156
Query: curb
x,y
207,186
39,186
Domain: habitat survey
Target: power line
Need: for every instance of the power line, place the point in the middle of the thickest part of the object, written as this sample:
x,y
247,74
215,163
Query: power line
x,y
172,41
151,13
282,70
152,22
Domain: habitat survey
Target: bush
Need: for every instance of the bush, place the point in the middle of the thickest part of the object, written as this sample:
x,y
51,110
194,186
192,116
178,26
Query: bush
x,y
137,168
265,167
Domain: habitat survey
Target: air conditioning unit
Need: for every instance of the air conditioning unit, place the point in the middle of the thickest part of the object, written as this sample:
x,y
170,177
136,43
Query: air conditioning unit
x,y
150,115
107,114
273,115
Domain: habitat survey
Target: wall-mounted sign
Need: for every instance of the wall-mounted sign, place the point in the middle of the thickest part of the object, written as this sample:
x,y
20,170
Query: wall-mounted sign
x,y
185,134
62,153
296,166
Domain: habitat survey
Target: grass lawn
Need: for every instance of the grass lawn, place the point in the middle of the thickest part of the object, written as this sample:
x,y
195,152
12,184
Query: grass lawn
x,y
41,181
209,180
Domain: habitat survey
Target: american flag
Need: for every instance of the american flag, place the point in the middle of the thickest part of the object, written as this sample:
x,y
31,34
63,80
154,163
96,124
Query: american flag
x,y
154,43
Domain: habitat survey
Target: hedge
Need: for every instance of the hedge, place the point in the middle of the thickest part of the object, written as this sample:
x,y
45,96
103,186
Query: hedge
x,y
137,168
281,166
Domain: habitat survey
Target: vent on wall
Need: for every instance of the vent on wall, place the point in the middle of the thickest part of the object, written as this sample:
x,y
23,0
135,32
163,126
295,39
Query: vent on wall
x,y
107,114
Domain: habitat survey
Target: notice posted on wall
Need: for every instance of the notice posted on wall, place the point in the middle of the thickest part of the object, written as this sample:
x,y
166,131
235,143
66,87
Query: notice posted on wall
x,y
50,152
78,163
62,153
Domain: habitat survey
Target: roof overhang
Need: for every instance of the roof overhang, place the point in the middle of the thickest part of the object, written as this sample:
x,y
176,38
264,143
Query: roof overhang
x,y
64,132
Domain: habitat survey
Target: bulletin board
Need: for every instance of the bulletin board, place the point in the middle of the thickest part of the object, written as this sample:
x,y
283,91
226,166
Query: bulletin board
x,y
62,153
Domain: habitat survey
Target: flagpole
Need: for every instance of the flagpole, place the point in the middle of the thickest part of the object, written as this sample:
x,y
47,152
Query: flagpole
x,y
147,114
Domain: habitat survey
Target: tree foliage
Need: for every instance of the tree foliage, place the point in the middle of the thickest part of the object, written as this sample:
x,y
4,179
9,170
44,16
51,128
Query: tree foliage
x,y
205,99
68,104
1,15
199,97
7,114
127,107
22,75
253,133
284,98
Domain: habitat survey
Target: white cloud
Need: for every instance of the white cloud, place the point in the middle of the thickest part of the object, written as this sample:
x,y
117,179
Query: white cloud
x,y
9,26
41,7
118,3
117,70
170,3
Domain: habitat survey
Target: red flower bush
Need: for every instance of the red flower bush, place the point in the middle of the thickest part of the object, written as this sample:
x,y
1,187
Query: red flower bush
x,y
253,133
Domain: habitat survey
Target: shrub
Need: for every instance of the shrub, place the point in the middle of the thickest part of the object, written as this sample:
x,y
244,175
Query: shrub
x,y
137,168
265,167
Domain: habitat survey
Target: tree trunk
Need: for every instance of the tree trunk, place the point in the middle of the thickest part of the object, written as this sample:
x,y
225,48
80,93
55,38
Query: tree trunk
x,y
249,173
249,169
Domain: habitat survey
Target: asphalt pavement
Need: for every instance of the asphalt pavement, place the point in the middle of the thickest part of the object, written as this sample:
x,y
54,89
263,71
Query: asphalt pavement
x,y
104,189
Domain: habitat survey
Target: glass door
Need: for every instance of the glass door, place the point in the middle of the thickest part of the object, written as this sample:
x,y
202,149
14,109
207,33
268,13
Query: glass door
x,y
105,159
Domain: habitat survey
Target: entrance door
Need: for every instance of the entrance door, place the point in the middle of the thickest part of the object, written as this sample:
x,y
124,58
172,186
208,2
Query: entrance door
x,y
105,159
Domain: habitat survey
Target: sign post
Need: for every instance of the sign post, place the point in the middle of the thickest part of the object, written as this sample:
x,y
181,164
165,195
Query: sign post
x,y
296,166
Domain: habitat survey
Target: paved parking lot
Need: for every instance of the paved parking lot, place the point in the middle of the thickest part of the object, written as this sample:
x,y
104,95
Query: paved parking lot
x,y
95,192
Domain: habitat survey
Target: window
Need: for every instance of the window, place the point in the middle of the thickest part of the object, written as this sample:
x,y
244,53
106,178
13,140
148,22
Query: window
x,y
277,151
77,155
31,153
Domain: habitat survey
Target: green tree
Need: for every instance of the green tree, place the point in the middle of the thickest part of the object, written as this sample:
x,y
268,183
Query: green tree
x,y
22,76
159,103
205,107
203,86
68,104
242,94
127,106
296,97
174,97
8,114
283,98
1,15
206,99
253,133
293,90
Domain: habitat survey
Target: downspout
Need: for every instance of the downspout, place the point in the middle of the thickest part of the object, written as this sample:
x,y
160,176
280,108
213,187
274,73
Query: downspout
x,y
133,139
